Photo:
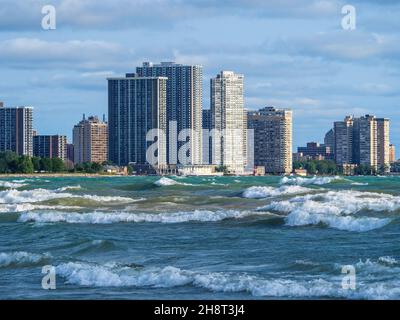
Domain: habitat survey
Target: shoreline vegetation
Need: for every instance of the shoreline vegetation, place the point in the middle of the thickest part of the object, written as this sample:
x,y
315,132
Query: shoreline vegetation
x,y
13,165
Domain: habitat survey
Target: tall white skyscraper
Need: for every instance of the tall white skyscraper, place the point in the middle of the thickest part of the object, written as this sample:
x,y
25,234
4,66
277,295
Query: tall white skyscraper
x,y
228,119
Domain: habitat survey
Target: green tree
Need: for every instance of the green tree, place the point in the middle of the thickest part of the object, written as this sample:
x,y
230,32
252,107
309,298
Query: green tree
x,y
57,165
24,165
8,162
36,164
46,165
311,167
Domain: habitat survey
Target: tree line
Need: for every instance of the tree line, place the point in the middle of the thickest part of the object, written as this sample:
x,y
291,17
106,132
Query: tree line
x,y
329,167
10,163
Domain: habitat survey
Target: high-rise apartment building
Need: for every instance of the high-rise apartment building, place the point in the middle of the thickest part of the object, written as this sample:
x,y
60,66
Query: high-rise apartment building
x,y
207,139
344,141
329,140
363,141
383,143
137,105
272,139
184,92
46,146
365,144
16,130
392,153
90,139
227,108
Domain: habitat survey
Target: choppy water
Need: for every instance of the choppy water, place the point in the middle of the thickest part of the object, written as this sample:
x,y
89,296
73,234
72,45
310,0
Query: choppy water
x,y
200,238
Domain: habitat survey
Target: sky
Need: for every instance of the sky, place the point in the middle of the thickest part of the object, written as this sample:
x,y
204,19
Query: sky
x,y
293,53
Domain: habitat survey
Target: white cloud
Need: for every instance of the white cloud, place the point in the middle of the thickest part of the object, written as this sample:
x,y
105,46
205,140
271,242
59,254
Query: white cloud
x,y
76,54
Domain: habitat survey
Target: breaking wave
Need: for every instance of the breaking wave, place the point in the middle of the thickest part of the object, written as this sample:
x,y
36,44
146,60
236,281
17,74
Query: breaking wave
x,y
308,181
7,208
124,217
259,192
21,259
93,275
334,207
62,189
347,223
164,181
38,195
11,185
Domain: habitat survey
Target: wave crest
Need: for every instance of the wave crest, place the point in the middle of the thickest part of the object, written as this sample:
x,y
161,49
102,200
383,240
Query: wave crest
x,y
125,217
164,181
12,185
22,259
112,275
308,181
259,192
38,195
332,209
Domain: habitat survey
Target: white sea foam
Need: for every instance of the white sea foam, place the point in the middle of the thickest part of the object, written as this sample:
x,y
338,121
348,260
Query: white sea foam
x,y
259,192
389,261
66,188
347,223
12,185
164,181
22,207
103,276
342,202
332,209
38,195
382,264
359,184
308,181
109,275
125,217
21,258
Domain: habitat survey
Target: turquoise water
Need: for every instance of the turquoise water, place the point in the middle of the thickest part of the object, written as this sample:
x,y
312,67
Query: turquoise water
x,y
200,238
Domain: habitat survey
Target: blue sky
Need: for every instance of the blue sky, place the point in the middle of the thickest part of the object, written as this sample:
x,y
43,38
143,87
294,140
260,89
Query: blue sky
x,y
293,53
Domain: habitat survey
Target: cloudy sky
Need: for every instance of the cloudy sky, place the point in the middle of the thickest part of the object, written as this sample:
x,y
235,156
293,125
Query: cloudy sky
x,y
293,53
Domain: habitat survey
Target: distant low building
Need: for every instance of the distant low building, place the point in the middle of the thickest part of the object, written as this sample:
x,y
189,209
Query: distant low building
x,y
349,169
300,172
259,171
116,170
46,146
198,170
316,151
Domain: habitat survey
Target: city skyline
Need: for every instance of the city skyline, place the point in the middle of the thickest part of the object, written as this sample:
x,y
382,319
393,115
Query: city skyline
x,y
298,58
